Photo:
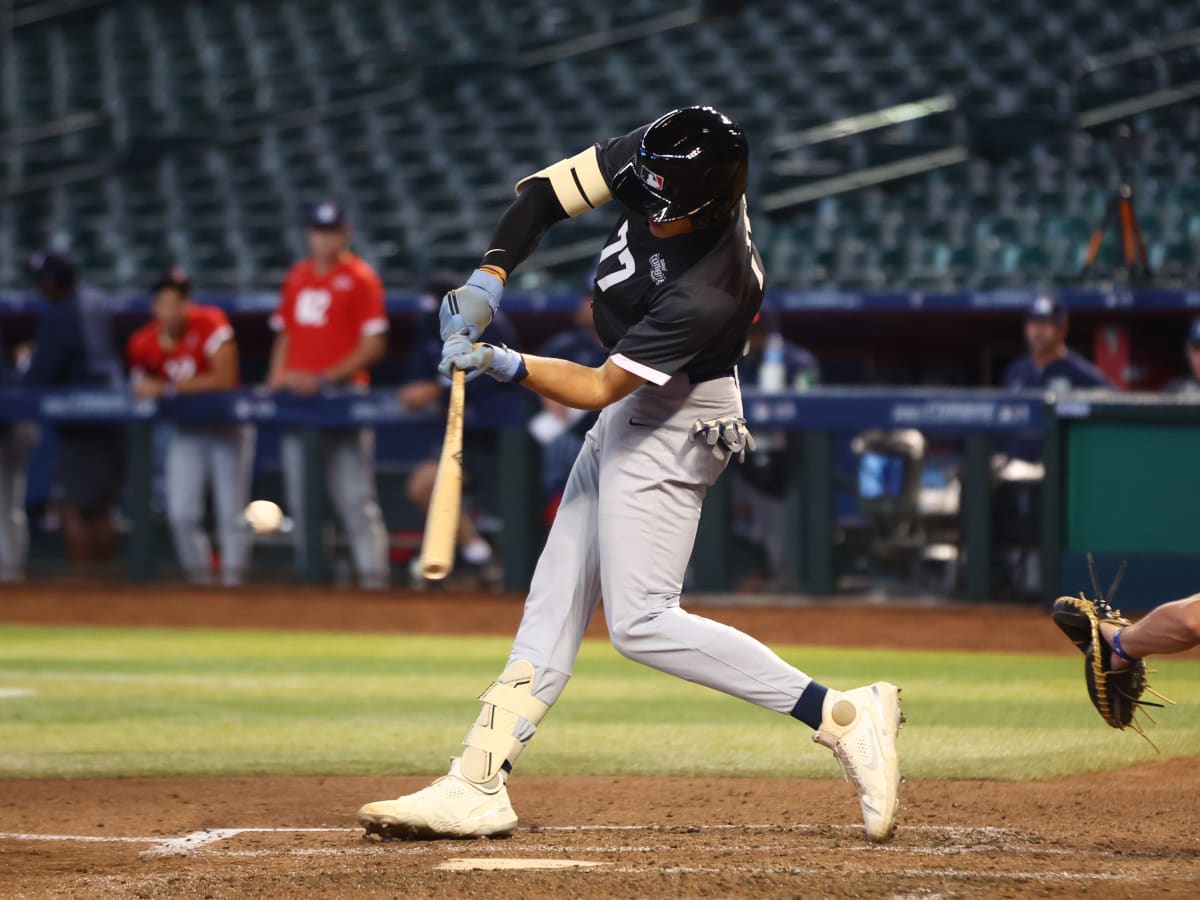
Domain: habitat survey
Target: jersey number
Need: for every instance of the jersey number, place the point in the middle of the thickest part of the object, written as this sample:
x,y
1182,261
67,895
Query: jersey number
x,y
624,256
311,306
181,368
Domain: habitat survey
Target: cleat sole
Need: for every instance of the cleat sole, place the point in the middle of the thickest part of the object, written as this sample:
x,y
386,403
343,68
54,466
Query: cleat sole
x,y
387,828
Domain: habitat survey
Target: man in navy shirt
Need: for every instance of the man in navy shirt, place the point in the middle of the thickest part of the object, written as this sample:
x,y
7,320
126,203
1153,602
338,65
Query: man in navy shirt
x,y
560,429
760,485
423,388
1190,383
1050,364
73,347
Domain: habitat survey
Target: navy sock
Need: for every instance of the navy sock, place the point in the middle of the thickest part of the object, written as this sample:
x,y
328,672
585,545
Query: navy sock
x,y
808,707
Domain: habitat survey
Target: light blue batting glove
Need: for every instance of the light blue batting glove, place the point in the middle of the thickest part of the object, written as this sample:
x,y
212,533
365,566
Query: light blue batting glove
x,y
469,309
476,359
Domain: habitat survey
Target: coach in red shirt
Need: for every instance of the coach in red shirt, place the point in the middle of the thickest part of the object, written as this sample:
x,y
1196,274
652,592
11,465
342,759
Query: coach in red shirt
x,y
189,349
330,327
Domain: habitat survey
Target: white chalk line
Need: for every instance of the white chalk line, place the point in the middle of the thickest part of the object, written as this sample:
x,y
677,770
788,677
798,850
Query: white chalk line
x,y
210,835
11,693
199,842
958,874
182,846
418,849
952,831
86,838
186,844
177,846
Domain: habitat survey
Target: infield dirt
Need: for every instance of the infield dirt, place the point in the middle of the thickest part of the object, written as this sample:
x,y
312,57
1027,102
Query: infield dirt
x,y
1109,836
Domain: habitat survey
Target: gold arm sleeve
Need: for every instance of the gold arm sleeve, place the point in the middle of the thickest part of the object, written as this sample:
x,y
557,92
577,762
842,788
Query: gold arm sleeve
x,y
578,182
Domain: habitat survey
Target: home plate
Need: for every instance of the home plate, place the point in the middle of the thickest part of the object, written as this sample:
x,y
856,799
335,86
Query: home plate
x,y
467,864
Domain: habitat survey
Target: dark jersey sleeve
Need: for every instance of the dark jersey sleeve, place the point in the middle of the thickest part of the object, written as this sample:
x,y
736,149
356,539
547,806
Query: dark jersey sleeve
x,y
614,153
1087,374
1014,376
57,348
681,323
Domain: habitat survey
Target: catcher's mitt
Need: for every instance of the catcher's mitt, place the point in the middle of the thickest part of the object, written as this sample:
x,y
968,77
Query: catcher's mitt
x,y
1117,695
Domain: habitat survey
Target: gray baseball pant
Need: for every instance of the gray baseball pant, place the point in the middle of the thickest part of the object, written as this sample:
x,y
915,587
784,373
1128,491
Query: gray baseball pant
x,y
350,484
624,533
16,446
197,457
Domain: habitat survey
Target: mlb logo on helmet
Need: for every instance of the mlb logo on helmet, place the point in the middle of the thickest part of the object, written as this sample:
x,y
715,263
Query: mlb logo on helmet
x,y
654,181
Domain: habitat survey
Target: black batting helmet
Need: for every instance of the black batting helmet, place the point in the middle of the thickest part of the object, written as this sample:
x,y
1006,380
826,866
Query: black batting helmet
x,y
692,163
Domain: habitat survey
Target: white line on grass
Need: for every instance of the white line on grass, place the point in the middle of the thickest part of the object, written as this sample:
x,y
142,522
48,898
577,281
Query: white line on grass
x,y
9,693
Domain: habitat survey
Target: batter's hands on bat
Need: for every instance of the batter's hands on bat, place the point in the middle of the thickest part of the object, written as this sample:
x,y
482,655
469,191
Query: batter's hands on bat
x,y
459,352
469,309
726,435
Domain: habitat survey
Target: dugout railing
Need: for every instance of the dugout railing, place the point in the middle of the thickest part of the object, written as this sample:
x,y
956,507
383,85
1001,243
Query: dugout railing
x,y
1121,475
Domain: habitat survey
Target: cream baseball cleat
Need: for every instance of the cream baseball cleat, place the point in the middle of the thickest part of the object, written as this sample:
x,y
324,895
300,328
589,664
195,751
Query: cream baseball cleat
x,y
860,727
451,807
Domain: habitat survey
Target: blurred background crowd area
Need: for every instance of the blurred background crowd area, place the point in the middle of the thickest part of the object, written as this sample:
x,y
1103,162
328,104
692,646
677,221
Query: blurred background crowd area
x,y
922,173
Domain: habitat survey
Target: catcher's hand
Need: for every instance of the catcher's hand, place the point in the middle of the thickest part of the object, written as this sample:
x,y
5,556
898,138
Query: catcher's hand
x,y
1117,695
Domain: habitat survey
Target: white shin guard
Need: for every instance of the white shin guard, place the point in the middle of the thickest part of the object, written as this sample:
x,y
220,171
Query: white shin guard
x,y
493,738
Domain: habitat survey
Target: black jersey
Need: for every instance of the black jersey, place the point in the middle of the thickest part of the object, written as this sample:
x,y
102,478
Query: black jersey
x,y
683,304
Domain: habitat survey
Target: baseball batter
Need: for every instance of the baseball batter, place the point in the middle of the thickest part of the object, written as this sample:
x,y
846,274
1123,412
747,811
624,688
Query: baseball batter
x,y
677,286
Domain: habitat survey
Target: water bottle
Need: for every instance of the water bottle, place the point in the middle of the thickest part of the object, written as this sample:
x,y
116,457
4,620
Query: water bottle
x,y
772,374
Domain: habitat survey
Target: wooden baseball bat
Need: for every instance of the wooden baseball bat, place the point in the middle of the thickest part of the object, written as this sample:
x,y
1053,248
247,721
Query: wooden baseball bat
x,y
441,522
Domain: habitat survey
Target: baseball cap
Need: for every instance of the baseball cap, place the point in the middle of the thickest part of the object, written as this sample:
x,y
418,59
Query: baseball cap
x,y
52,267
176,278
1194,334
1047,308
326,214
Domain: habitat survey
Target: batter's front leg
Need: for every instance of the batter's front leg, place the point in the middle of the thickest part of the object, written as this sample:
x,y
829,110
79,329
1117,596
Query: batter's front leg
x,y
563,596
472,800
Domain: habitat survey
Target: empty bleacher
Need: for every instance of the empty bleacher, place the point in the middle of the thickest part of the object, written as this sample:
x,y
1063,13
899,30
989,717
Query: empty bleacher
x,y
140,133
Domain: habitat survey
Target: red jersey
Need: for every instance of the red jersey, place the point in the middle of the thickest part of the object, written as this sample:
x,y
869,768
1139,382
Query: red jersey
x,y
207,329
325,316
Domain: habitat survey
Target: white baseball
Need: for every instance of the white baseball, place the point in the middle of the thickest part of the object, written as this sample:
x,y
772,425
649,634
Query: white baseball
x,y
264,516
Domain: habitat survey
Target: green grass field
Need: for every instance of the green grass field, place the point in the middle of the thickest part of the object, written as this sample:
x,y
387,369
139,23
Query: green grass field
x,y
78,702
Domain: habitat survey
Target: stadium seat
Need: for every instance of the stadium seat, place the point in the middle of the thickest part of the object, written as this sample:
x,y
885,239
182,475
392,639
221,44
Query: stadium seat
x,y
214,123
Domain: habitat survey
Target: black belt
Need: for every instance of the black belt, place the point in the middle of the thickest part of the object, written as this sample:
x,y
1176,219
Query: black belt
x,y
701,377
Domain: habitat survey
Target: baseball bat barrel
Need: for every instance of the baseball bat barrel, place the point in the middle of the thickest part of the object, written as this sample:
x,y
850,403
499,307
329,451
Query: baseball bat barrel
x,y
441,522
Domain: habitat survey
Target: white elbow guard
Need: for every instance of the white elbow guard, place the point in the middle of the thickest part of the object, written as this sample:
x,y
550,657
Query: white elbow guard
x,y
578,182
